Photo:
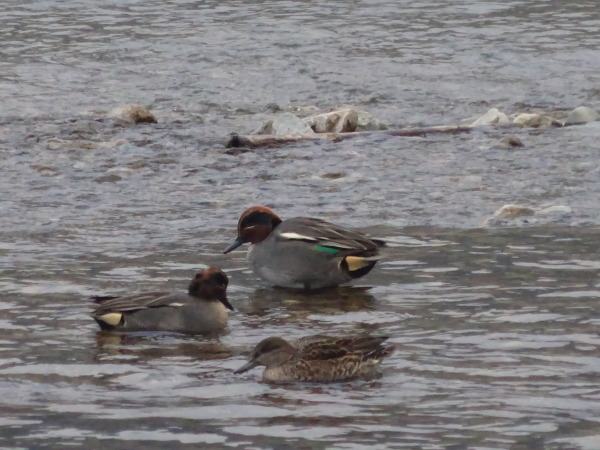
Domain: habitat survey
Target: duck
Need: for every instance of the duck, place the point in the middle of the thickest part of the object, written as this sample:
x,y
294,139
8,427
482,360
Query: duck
x,y
304,252
203,310
319,359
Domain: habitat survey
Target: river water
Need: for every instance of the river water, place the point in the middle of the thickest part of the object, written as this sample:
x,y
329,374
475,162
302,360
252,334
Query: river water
x,y
496,328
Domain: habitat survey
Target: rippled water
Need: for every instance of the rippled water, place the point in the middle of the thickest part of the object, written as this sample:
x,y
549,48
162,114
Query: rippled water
x,y
496,329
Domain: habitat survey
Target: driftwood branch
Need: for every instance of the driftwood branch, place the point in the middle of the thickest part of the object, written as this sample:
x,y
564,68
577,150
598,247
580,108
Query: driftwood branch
x,y
270,140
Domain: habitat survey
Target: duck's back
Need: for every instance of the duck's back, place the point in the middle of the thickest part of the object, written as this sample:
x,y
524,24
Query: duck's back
x,y
307,253
175,312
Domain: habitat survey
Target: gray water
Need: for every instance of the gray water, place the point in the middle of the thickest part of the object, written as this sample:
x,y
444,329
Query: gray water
x,y
496,328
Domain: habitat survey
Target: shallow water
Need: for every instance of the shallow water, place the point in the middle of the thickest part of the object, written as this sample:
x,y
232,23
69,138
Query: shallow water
x,y
496,329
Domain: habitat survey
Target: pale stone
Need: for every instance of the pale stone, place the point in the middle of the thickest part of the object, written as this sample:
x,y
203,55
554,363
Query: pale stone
x,y
514,215
492,117
339,121
514,211
55,143
345,120
368,122
133,114
582,114
285,124
557,210
536,121
507,213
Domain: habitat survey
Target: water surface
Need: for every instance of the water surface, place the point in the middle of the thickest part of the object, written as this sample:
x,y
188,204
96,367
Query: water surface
x,y
496,328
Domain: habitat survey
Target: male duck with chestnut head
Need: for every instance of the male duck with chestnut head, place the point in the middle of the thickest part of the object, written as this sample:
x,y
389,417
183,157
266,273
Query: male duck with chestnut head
x,y
304,252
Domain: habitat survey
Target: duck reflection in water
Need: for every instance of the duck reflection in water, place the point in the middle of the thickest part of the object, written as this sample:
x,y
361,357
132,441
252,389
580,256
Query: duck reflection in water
x,y
302,303
149,346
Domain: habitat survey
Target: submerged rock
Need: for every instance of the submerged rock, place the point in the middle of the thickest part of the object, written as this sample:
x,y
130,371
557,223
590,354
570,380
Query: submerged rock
x,y
273,107
514,211
343,120
69,144
507,216
511,141
536,121
285,124
368,122
132,114
492,117
557,211
582,114
517,215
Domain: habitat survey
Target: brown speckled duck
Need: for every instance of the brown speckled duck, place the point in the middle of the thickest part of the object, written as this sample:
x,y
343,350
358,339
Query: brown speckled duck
x,y
318,358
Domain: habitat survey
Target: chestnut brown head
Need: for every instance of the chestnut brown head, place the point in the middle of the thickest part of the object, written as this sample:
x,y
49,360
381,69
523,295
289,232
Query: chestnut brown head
x,y
255,224
210,284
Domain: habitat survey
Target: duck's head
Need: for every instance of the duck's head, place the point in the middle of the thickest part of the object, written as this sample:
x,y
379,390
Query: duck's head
x,y
210,284
255,224
270,352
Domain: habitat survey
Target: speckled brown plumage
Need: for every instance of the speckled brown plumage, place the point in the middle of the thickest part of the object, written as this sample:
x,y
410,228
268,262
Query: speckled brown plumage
x,y
318,358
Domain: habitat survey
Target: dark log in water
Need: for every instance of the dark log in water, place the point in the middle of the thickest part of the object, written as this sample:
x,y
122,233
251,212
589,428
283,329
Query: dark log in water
x,y
268,140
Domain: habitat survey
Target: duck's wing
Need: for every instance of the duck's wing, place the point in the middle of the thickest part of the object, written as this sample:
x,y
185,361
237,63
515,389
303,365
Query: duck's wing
x,y
320,347
136,302
377,354
328,237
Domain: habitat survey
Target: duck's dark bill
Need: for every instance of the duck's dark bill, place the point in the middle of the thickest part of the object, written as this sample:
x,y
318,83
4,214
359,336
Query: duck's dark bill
x,y
239,241
249,365
225,302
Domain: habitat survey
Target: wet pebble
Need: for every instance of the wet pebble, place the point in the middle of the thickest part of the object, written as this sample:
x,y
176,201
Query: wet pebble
x,y
581,114
285,124
536,121
511,141
333,175
69,144
515,215
133,114
46,170
109,178
492,117
368,122
273,108
339,121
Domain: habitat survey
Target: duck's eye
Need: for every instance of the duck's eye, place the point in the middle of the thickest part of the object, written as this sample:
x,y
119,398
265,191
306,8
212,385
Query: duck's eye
x,y
221,280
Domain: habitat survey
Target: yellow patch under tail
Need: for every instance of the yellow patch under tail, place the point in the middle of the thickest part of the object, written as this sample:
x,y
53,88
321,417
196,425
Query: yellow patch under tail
x,y
112,319
357,262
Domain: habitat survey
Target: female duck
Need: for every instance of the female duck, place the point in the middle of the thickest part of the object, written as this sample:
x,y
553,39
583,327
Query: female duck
x,y
318,358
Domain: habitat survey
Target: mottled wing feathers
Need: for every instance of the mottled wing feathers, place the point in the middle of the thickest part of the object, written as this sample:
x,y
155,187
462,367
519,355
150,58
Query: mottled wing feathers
x,y
328,237
322,351
321,347
339,369
135,302
378,354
